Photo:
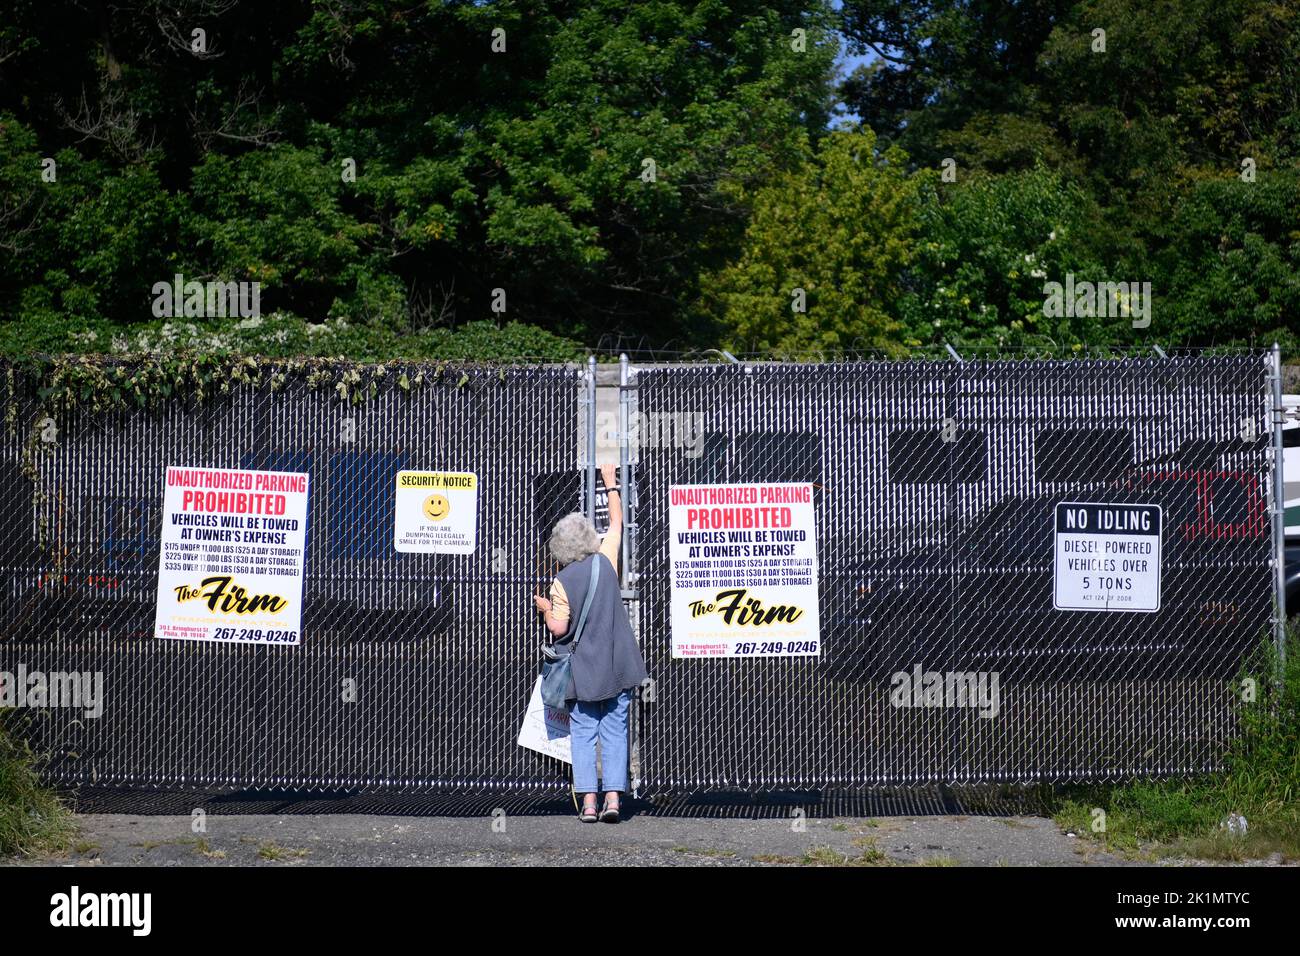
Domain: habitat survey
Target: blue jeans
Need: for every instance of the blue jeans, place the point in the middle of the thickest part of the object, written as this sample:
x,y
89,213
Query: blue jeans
x,y
608,718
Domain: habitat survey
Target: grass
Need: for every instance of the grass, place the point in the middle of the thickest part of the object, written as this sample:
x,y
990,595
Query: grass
x,y
870,855
200,844
871,852
32,819
1183,818
270,850
704,851
824,856
204,848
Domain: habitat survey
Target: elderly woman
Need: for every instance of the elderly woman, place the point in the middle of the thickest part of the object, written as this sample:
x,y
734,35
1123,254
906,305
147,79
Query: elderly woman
x,y
607,664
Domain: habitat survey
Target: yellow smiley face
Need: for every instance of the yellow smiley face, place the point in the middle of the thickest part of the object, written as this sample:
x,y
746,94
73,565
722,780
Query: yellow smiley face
x,y
436,507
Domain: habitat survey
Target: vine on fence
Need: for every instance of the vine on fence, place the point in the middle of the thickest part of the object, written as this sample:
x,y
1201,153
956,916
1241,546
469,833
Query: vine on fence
x,y
65,385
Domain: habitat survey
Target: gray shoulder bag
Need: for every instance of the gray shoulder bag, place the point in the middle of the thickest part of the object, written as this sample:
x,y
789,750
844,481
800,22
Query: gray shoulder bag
x,y
557,668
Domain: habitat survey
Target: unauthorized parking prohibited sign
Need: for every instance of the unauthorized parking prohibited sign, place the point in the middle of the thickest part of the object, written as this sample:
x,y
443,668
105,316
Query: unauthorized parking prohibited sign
x,y
1107,557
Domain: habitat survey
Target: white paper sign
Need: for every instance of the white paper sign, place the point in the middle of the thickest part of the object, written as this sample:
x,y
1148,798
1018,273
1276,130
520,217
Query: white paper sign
x,y
231,562
744,571
545,729
436,512
1107,557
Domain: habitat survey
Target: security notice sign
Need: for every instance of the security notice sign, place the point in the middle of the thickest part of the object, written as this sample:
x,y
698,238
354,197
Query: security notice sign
x,y
436,512
744,571
1107,557
231,562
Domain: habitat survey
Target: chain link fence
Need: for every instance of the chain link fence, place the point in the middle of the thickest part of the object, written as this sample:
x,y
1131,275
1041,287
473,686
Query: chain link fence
x,y
440,650
936,486
935,492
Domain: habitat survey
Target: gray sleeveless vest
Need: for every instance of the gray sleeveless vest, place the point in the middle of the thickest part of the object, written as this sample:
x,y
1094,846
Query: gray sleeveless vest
x,y
607,660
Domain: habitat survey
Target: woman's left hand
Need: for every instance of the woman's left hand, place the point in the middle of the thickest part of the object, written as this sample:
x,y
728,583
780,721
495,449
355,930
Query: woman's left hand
x,y
542,604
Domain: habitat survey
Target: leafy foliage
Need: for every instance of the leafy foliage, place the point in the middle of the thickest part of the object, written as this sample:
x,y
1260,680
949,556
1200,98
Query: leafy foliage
x,y
476,169
658,170
280,334
1260,781
1149,138
987,247
32,819
824,252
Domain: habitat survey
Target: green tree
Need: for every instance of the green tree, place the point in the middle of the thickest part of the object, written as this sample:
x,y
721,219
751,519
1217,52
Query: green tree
x,y
837,233
1162,123
477,167
1232,263
987,246
939,65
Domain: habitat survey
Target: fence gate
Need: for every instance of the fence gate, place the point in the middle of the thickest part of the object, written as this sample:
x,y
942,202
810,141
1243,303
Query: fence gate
x,y
935,491
437,652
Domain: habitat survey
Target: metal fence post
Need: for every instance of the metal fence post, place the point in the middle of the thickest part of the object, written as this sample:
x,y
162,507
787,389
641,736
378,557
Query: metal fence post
x,y
624,396
625,497
953,373
591,438
1279,507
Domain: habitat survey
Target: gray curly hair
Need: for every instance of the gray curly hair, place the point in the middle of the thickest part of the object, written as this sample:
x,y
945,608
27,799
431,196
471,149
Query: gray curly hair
x,y
573,538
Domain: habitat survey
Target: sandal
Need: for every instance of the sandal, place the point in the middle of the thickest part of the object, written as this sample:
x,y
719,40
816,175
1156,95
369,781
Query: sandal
x,y
609,813
588,813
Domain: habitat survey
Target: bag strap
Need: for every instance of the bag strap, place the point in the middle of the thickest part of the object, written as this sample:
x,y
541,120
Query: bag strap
x,y
586,602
